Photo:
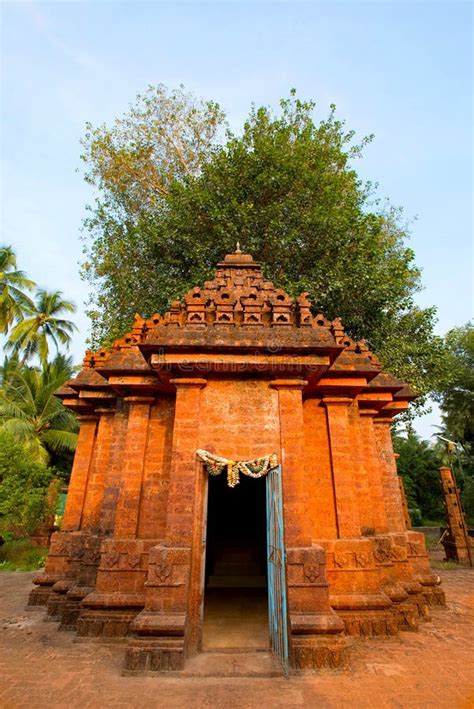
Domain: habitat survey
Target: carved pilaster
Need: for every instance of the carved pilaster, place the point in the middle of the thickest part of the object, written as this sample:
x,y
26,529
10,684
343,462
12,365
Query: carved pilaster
x,y
391,490
128,503
295,485
166,631
62,565
348,522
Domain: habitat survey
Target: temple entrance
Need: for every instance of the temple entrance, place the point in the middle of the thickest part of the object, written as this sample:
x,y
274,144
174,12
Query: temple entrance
x,y
235,595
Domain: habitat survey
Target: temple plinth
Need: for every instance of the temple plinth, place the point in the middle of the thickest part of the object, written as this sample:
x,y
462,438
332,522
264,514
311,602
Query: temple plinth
x,y
297,495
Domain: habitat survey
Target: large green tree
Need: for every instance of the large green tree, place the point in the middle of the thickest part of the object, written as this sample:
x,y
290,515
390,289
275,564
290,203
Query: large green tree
x,y
457,399
166,136
287,189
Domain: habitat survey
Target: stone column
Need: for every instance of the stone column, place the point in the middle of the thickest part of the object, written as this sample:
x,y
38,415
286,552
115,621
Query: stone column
x,y
72,518
316,632
114,468
295,484
391,490
66,546
351,568
128,503
347,514
84,581
456,545
181,491
406,512
361,473
96,479
167,630
374,471
119,589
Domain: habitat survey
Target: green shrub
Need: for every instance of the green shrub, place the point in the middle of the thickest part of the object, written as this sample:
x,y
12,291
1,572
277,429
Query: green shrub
x,y
21,555
415,516
25,499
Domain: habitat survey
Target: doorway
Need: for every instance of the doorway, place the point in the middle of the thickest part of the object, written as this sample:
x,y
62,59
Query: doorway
x,y
235,593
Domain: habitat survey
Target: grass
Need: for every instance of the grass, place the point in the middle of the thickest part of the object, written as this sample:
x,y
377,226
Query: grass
x,y
444,565
432,540
21,555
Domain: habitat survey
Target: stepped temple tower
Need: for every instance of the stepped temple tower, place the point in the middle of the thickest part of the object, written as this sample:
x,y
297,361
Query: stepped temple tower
x,y
235,486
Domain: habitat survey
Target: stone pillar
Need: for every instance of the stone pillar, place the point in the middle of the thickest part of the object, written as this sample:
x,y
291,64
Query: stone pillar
x,y
319,471
96,479
374,471
295,484
180,519
66,546
391,490
355,592
85,579
128,503
402,553
348,523
114,468
406,513
456,545
316,632
167,630
361,471
119,589
80,474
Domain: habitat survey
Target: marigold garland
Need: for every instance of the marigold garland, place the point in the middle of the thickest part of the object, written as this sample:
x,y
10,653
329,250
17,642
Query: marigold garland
x,y
256,468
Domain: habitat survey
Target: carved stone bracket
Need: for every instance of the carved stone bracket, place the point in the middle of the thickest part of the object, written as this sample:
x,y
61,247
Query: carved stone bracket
x,y
168,566
306,567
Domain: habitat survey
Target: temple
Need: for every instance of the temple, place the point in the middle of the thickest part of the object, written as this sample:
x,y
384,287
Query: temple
x,y
235,452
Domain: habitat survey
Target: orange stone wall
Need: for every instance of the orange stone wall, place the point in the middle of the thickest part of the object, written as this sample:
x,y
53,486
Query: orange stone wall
x,y
242,370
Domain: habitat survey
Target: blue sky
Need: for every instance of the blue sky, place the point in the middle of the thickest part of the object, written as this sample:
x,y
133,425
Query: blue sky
x,y
401,70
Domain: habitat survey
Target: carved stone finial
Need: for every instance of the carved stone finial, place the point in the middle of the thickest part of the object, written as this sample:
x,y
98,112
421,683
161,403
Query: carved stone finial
x,y
237,250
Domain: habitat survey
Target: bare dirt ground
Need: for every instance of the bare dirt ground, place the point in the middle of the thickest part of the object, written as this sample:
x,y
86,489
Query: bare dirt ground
x,y
433,668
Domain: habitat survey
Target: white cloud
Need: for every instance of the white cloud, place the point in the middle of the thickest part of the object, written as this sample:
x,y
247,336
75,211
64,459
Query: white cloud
x,y
44,26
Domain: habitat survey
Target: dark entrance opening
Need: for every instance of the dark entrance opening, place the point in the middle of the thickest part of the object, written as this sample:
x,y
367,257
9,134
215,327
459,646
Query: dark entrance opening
x,y
235,597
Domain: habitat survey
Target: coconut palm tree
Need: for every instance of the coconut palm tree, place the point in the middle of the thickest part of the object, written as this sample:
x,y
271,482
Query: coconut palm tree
x,y
13,284
30,411
42,323
10,366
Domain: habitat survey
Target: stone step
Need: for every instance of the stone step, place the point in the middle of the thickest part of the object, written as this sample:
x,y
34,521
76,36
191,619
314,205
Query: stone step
x,y
235,663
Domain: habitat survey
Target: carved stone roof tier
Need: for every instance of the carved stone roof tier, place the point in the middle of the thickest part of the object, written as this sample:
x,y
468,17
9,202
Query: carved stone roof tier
x,y
238,296
240,321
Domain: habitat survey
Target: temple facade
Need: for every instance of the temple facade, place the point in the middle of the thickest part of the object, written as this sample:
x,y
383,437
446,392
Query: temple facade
x,y
236,450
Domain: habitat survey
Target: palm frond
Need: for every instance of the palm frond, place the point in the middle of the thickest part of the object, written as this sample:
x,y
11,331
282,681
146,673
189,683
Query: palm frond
x,y
21,429
59,441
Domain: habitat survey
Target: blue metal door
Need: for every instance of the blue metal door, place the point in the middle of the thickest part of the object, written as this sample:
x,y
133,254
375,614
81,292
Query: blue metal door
x,y
277,603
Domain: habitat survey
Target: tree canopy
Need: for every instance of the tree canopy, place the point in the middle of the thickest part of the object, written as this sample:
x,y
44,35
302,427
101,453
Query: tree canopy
x,y
287,189
457,399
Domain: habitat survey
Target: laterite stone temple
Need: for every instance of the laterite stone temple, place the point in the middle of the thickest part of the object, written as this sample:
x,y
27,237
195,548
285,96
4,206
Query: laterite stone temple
x,y
237,384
